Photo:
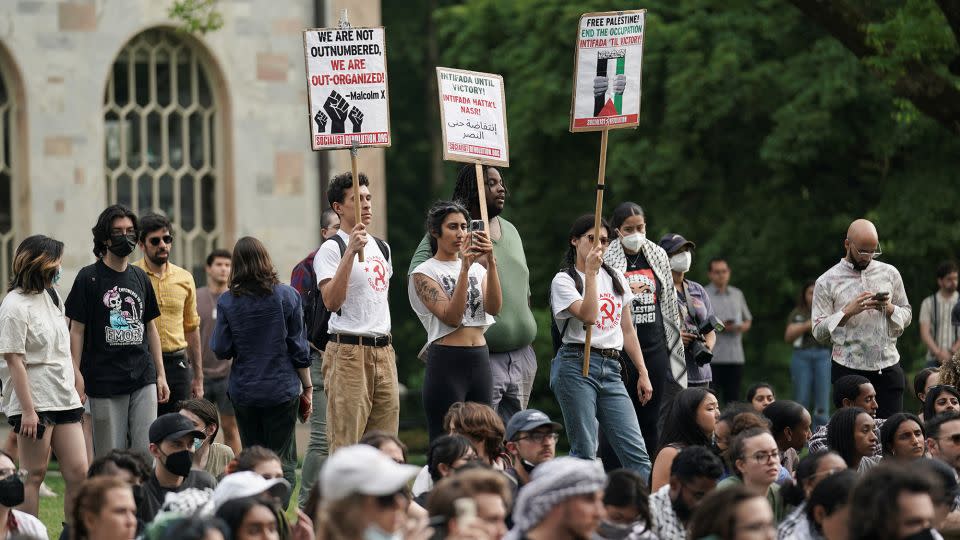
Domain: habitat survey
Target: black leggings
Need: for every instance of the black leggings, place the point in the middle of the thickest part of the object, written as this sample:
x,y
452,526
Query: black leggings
x,y
454,374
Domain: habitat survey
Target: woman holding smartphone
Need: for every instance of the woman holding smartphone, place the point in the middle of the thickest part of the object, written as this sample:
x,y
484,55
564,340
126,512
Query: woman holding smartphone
x,y
455,293
588,292
39,393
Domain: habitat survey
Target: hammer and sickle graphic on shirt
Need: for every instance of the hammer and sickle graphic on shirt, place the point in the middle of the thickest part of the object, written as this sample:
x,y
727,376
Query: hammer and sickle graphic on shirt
x,y
607,313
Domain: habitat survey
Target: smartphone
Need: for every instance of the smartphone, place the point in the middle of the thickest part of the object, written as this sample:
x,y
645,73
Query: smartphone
x,y
41,429
476,225
881,296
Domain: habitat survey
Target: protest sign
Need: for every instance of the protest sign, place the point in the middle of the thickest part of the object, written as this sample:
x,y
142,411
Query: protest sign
x,y
607,71
347,87
473,117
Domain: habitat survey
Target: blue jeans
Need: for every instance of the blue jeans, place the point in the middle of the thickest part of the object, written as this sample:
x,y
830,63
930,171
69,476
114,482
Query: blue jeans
x,y
599,400
810,370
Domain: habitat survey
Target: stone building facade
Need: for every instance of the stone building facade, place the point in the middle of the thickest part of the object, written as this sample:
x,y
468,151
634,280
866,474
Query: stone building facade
x,y
105,101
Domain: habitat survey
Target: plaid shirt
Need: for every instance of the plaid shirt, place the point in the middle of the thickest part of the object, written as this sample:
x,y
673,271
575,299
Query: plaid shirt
x,y
663,519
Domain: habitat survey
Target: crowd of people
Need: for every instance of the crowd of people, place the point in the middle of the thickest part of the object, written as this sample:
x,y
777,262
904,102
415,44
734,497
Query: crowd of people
x,y
130,380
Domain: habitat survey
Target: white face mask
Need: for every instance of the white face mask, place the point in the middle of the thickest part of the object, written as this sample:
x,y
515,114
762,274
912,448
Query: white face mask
x,y
681,262
632,242
372,532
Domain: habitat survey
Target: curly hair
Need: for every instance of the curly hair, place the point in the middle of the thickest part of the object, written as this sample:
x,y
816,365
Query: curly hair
x,y
950,371
479,422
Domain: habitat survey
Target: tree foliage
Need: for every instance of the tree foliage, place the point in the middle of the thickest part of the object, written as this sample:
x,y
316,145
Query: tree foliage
x,y
761,137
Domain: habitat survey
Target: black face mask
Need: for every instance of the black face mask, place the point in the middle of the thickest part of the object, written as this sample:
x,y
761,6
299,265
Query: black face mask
x,y
11,491
122,245
137,494
926,534
179,463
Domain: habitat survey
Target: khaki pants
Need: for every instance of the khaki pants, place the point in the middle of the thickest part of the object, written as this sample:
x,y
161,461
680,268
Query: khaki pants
x,y
362,392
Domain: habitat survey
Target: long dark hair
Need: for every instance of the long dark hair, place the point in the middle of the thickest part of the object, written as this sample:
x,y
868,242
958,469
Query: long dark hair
x,y
831,494
233,511
888,431
251,271
840,433
930,400
802,299
35,263
435,216
101,231
794,492
569,263
783,414
465,191
680,425
620,214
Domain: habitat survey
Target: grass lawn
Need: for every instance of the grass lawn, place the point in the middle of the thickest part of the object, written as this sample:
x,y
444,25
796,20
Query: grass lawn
x,y
51,508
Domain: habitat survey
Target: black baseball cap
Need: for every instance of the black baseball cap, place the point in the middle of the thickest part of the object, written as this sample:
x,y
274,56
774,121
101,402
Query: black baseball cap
x,y
673,243
173,426
527,420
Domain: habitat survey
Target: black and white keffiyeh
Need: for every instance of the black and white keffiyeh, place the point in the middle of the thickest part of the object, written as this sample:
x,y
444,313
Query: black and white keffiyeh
x,y
660,263
552,483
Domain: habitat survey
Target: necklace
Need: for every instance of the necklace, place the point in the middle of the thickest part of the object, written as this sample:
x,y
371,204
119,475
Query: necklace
x,y
635,260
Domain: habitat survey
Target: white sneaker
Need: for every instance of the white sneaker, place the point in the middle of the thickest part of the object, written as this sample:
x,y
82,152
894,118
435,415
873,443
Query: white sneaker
x,y
45,491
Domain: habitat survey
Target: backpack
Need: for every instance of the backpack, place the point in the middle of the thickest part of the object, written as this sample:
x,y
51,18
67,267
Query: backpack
x,y
556,333
316,316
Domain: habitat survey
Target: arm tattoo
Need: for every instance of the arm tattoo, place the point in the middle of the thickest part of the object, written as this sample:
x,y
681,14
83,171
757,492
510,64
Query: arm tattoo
x,y
427,292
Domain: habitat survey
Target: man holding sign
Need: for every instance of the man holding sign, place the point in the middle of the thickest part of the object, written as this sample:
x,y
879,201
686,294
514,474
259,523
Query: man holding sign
x,y
359,364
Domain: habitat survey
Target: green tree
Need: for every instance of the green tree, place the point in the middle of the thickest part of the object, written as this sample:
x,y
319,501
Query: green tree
x,y
761,137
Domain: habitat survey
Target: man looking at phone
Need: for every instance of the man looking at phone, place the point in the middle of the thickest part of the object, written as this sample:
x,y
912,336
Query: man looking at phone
x,y
510,339
861,307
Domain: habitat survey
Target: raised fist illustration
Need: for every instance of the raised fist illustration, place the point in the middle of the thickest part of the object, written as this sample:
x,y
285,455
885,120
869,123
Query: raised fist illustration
x,y
336,107
357,118
321,120
600,85
619,83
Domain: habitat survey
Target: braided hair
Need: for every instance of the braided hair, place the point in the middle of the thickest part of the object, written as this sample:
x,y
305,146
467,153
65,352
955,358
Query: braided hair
x,y
580,227
465,191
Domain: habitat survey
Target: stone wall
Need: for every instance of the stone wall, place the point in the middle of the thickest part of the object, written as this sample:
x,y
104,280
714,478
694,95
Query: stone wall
x,y
63,51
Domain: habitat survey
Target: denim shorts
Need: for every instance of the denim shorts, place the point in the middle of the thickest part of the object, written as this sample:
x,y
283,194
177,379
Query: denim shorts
x,y
51,418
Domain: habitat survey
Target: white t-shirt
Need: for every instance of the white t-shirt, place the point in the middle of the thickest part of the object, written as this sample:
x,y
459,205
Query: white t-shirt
x,y
445,273
365,311
32,325
606,333
29,525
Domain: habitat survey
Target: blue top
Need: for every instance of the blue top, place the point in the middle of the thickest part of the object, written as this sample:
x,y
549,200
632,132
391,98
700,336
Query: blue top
x,y
265,337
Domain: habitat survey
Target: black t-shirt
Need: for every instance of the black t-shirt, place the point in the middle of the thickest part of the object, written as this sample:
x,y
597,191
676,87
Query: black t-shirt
x,y
154,494
647,317
115,308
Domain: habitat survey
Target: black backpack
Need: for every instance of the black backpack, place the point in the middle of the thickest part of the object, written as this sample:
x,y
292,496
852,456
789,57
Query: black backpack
x,y
316,316
556,333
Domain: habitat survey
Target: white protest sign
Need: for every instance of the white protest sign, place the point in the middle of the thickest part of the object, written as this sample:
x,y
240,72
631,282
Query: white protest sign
x,y
347,87
473,117
607,74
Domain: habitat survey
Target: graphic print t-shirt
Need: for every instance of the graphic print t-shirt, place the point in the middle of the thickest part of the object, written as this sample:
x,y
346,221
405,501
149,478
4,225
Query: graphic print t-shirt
x,y
606,333
365,311
445,273
646,310
115,308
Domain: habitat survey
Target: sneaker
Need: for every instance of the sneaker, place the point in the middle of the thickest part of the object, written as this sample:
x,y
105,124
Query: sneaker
x,y
45,491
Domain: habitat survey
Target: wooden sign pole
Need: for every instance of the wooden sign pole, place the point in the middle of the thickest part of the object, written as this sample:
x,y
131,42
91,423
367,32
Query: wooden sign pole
x,y
601,176
354,150
482,197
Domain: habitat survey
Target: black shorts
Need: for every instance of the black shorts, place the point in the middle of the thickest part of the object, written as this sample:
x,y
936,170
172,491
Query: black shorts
x,y
51,418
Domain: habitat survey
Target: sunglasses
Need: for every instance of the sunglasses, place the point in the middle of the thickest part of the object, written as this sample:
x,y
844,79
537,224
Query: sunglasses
x,y
155,241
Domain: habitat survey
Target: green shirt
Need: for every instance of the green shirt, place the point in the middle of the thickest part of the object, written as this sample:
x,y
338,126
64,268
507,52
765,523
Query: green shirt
x,y
515,326
773,495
